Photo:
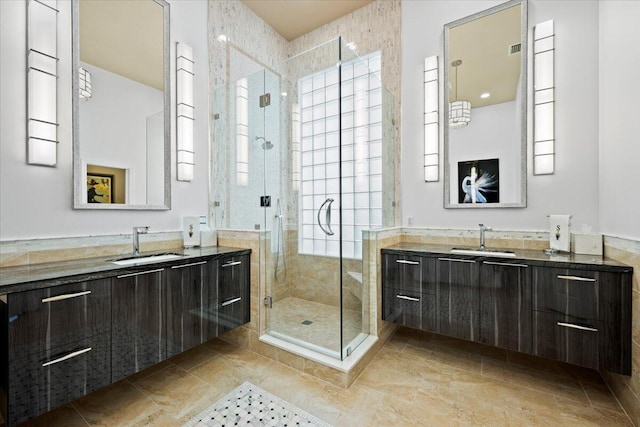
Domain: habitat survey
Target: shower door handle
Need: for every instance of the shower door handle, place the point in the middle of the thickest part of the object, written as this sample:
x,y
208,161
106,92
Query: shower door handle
x,y
327,217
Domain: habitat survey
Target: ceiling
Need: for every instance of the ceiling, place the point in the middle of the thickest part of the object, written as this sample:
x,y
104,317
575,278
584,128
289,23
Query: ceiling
x,y
483,47
293,18
124,37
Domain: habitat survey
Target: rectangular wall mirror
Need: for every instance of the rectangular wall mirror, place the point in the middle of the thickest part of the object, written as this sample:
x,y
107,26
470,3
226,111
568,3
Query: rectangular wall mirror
x,y
121,105
485,108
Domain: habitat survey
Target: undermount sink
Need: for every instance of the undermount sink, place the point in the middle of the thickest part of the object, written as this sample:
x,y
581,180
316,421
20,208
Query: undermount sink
x,y
130,260
485,252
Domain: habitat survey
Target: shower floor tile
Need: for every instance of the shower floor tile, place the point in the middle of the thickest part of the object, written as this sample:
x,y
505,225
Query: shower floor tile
x,y
313,322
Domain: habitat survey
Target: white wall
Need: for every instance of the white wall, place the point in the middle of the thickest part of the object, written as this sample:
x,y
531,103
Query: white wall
x,y
36,201
573,189
619,118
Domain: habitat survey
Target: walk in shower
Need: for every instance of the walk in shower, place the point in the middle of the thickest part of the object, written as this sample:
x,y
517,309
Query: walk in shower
x,y
304,152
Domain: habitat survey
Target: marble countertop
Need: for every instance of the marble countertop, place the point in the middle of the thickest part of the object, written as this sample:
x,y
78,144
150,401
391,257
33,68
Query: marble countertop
x,y
533,257
22,278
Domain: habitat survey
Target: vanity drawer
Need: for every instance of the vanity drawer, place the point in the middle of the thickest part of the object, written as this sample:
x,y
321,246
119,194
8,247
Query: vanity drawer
x,y
43,319
41,382
567,292
409,308
567,339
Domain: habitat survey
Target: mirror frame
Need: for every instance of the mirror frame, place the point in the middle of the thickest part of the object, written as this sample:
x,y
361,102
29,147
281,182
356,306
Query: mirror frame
x,y
524,31
79,186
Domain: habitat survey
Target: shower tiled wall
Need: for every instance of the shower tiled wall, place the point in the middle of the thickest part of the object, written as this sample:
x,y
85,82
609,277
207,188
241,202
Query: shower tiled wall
x,y
627,388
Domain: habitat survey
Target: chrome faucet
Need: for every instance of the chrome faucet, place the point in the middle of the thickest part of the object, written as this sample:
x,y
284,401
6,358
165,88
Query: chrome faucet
x,y
136,239
482,230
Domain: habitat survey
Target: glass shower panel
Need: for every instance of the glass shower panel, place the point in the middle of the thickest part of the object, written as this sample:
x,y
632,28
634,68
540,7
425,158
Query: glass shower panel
x,y
364,157
306,308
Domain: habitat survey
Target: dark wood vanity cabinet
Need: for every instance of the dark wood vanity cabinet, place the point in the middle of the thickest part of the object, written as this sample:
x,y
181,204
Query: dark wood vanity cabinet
x,y
505,305
60,342
583,317
138,322
578,316
57,346
409,296
234,308
192,301
458,293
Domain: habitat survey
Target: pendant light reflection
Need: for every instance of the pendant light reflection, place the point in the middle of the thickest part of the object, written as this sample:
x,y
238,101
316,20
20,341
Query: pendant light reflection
x,y
459,111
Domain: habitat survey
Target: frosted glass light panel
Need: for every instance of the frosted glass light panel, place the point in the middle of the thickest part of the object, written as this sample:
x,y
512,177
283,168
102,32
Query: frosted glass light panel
x,y
544,99
431,129
42,132
184,110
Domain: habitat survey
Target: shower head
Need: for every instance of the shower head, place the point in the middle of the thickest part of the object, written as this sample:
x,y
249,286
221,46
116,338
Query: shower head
x,y
266,145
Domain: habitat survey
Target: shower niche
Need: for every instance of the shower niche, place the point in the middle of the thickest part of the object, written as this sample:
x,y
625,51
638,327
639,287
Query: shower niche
x,y
314,135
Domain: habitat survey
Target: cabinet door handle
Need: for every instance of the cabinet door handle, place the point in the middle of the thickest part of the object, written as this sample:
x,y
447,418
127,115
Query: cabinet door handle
x,y
470,261
141,273
231,301
230,264
574,326
407,298
506,264
67,357
404,261
576,278
64,296
188,265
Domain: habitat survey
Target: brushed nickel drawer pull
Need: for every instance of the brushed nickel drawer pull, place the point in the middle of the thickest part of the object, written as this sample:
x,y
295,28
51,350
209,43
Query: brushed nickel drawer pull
x,y
574,326
404,261
65,296
67,357
470,261
188,265
576,278
407,298
230,264
507,264
141,273
231,301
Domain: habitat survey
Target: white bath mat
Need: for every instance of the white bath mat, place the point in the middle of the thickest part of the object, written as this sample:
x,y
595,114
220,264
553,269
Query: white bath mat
x,y
249,405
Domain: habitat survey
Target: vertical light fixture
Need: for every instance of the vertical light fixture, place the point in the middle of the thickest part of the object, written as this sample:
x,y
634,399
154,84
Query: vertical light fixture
x,y
184,111
543,99
42,126
431,128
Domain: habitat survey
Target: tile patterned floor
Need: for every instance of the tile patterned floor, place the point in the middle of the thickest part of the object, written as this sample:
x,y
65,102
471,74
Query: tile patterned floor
x,y
288,315
415,380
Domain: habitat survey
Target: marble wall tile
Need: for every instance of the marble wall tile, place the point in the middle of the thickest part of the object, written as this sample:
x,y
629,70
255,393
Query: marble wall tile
x,y
34,251
627,389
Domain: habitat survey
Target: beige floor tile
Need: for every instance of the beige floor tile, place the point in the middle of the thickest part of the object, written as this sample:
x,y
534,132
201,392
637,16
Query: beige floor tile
x,y
193,357
555,384
66,416
176,391
116,405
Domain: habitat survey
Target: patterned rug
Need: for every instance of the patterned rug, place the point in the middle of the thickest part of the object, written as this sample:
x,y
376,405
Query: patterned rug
x,y
249,405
